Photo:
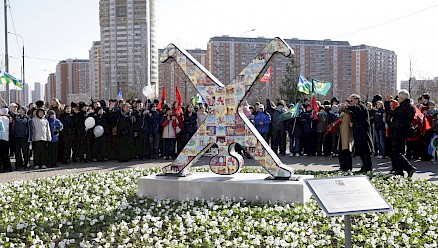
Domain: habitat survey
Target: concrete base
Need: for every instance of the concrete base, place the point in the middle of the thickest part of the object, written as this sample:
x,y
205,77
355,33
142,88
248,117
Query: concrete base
x,y
206,185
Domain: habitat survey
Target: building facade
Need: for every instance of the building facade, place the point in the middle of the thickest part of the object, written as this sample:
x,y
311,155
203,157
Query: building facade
x,y
171,75
96,89
27,94
324,60
128,43
374,71
38,92
72,78
418,87
50,87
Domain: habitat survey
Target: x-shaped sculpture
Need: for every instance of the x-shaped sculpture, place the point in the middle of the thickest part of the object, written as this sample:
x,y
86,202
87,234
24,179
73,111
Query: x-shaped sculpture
x,y
228,125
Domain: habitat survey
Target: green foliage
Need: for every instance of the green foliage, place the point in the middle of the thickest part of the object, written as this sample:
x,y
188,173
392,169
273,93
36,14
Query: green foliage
x,y
103,210
288,87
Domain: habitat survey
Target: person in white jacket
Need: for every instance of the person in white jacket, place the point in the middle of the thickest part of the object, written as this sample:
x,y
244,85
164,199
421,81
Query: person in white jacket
x,y
5,162
41,135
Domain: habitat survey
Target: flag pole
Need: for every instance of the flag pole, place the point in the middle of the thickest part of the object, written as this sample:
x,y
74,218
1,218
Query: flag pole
x,y
6,50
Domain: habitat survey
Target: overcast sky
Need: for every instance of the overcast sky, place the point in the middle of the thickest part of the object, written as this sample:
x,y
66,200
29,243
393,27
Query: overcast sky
x,y
54,30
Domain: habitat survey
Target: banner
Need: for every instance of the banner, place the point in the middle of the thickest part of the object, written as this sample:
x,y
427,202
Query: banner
x,y
294,112
304,85
6,78
321,87
163,99
267,76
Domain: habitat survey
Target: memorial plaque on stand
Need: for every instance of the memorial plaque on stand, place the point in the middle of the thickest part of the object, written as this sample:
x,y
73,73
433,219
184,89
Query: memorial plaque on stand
x,y
347,195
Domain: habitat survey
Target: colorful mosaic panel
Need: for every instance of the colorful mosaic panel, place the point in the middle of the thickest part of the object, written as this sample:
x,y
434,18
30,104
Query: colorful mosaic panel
x,y
227,125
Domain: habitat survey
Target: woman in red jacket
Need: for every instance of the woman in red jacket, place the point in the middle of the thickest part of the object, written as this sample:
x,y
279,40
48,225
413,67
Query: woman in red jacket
x,y
169,124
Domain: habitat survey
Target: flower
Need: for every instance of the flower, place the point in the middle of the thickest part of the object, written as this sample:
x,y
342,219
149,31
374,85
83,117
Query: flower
x,y
102,209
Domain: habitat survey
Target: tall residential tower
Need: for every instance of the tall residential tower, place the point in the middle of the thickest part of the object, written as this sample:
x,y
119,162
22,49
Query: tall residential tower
x,y
128,43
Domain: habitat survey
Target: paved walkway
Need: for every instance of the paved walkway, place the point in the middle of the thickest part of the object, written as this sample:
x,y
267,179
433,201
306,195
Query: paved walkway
x,y
426,170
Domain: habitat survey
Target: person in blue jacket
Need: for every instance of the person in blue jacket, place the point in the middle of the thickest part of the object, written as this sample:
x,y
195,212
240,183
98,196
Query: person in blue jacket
x,y
55,128
262,122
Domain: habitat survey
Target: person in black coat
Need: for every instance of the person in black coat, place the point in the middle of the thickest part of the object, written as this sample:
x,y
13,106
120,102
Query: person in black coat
x,y
126,129
190,122
154,131
68,134
363,142
278,134
81,116
402,117
309,130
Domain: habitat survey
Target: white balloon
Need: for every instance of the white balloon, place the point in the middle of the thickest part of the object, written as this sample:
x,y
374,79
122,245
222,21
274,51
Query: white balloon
x,y
98,131
148,92
89,123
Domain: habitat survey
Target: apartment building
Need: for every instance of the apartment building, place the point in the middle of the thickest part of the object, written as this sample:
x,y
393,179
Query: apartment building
x,y
96,89
72,78
324,60
128,42
374,71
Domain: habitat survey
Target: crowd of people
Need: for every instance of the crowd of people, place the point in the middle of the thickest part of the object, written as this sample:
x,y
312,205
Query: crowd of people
x,y
54,133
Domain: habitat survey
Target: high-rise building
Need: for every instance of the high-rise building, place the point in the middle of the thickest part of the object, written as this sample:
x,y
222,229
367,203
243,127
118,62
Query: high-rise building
x,y
72,80
50,87
27,94
38,92
374,71
129,51
171,75
324,60
96,89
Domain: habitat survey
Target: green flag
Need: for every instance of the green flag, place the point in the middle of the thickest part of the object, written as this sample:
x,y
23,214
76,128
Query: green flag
x,y
321,87
7,78
292,113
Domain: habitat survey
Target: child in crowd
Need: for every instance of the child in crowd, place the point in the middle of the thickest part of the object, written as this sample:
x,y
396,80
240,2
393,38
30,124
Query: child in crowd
x,y
41,135
55,127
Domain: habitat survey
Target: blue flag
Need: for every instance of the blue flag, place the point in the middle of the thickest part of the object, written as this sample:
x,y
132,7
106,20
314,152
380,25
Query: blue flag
x,y
304,85
120,95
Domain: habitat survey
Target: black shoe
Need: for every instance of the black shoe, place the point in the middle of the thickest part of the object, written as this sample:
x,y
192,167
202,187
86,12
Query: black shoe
x,y
411,172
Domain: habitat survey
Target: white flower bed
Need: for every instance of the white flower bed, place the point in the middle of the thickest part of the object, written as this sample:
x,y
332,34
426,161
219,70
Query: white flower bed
x,y
101,209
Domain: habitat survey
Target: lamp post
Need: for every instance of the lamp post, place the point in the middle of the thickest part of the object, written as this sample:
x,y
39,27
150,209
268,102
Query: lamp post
x,y
252,30
23,76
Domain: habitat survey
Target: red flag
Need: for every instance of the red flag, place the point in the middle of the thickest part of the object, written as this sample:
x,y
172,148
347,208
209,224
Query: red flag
x,y
267,77
424,125
163,98
333,127
315,108
179,99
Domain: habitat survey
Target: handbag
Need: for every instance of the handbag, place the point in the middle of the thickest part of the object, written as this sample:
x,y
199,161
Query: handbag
x,y
114,129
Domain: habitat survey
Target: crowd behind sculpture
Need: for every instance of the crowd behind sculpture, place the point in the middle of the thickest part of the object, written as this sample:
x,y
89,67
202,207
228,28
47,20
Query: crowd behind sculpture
x,y
55,133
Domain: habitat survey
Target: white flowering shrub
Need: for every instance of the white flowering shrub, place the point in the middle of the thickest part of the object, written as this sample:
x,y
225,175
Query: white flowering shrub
x,y
102,210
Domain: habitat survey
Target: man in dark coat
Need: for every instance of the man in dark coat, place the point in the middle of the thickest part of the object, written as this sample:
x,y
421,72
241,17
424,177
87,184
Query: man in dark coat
x,y
278,135
363,142
402,117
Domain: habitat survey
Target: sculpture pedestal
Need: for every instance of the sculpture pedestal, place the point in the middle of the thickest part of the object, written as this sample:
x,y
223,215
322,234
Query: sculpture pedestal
x,y
207,185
